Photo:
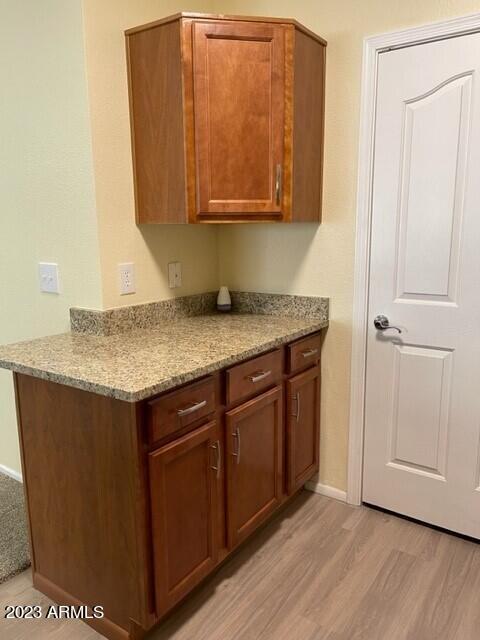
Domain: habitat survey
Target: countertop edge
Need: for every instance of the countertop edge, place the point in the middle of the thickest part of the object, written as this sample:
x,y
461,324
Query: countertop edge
x,y
164,385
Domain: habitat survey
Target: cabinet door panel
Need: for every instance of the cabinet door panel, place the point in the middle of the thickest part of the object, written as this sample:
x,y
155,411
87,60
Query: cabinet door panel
x,y
184,513
239,77
303,423
254,463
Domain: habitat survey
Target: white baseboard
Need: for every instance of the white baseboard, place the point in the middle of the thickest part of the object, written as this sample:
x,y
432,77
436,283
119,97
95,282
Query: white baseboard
x,y
326,490
11,473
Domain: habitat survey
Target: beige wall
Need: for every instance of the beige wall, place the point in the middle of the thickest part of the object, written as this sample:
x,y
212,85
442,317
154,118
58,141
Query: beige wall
x,y
150,247
46,180
319,261
51,210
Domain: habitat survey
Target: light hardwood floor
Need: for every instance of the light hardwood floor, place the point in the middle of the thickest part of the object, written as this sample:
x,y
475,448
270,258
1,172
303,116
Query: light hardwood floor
x,y
321,571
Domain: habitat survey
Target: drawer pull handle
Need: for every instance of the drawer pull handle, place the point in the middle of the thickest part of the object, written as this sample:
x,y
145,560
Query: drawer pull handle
x,y
309,352
218,457
259,375
236,453
192,409
296,399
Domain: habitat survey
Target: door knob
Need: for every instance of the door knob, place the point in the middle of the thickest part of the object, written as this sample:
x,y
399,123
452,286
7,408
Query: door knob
x,y
382,323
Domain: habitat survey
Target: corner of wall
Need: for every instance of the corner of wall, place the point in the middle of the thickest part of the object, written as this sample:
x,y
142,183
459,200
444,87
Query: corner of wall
x,y
49,189
149,247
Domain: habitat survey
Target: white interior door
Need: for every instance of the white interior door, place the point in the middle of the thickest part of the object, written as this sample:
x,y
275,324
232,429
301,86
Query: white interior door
x,y
422,431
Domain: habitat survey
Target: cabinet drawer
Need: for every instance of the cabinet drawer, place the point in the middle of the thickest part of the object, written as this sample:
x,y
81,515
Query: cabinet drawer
x,y
179,408
303,353
251,377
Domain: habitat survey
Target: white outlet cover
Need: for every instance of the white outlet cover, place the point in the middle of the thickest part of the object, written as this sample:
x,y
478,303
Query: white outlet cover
x,y
178,274
48,277
126,278
174,274
171,275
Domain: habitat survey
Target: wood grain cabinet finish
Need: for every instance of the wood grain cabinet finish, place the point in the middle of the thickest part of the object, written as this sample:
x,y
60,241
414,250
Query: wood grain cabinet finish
x,y
227,119
239,89
303,353
130,506
178,409
183,478
253,376
254,441
303,427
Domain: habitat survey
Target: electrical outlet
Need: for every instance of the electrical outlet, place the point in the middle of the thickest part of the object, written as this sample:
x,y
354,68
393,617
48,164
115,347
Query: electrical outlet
x,y
48,276
178,274
174,274
126,273
171,275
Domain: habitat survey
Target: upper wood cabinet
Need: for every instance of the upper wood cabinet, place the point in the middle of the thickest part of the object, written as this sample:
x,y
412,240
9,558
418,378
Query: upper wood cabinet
x,y
227,119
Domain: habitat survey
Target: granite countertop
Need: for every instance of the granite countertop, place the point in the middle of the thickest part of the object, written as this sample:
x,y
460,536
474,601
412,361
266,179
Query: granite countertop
x,y
140,363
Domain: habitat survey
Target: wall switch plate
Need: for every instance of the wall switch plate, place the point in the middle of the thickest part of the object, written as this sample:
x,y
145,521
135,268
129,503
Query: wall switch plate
x,y
174,274
48,276
126,274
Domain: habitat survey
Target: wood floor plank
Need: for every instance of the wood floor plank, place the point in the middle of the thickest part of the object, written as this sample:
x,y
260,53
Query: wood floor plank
x,y
322,570
374,614
350,574
441,604
469,624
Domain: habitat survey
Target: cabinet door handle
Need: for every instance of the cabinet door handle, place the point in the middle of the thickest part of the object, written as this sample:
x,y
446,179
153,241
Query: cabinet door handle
x,y
218,457
236,453
296,399
188,410
278,184
260,375
309,352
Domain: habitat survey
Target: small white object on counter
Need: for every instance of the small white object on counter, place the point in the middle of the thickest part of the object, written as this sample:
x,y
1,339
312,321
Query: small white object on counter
x,y
224,302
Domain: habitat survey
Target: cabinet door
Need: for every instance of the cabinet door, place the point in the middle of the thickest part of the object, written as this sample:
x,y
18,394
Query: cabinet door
x,y
183,479
239,99
254,463
303,427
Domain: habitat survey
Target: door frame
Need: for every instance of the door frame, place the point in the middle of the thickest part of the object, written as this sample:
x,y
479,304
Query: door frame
x,y
372,47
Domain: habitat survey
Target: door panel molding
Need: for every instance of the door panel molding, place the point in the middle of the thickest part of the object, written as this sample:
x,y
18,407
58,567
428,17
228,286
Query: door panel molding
x,y
417,442
372,49
417,261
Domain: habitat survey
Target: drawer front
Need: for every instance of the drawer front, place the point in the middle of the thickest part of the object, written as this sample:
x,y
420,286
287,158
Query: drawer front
x,y
180,408
251,377
303,353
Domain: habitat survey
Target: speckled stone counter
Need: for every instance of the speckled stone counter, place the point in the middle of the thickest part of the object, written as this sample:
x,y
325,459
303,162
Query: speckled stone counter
x,y
140,363
152,314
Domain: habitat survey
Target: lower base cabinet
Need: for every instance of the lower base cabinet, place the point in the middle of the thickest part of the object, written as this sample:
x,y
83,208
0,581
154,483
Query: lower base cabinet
x,y
183,480
254,463
133,505
303,405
